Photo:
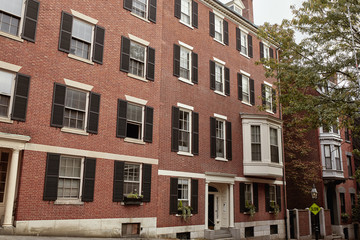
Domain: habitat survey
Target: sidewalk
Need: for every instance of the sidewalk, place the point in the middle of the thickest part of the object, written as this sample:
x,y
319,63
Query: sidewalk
x,y
7,237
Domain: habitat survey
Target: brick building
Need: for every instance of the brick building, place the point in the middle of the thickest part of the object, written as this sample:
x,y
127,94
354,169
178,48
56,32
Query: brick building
x,y
153,98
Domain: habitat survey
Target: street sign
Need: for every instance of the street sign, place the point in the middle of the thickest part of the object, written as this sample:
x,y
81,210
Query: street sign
x,y
315,209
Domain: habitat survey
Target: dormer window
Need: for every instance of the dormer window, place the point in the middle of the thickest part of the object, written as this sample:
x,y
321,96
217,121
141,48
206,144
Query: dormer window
x,y
236,6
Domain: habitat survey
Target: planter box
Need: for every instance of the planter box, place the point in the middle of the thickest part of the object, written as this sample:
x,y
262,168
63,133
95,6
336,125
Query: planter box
x,y
132,201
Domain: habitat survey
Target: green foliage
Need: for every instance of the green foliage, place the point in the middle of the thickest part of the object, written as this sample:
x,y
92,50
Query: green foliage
x,y
345,217
185,211
275,208
251,208
134,195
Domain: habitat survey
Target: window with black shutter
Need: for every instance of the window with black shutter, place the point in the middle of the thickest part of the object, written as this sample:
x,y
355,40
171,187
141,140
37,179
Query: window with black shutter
x,y
180,192
20,99
143,9
185,64
78,37
219,77
70,114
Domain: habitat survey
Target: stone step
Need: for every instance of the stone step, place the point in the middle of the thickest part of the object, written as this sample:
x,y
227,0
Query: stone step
x,y
223,236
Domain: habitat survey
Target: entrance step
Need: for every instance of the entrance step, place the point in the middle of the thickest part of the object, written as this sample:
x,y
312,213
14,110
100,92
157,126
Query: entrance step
x,y
223,234
334,236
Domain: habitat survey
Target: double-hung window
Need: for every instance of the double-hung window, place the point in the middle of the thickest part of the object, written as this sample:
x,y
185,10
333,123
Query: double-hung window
x,y
185,130
244,42
219,28
135,120
81,37
272,197
342,202
7,80
248,194
327,155
144,9
139,7
255,143
70,177
187,12
183,190
248,197
349,164
274,148
132,183
220,138
266,52
337,157
76,102
185,63
219,77
19,18
245,89
268,98
137,59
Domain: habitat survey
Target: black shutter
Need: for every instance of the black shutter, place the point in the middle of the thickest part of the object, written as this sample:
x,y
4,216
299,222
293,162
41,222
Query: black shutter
x,y
21,95
238,39
150,68
276,54
121,119
58,106
177,9
65,32
146,182
148,130
128,5
118,187
252,92
173,195
242,198
194,14
51,177
226,32
99,44
94,110
212,24
194,195
194,72
261,50
239,78
212,137
250,46
89,180
256,196
125,54
271,53
263,95
274,100
30,21
195,133
176,60
228,141
212,75
227,81
267,198
175,129
278,196
152,11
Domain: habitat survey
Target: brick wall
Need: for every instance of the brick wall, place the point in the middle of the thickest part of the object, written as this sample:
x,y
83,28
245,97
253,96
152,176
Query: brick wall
x,y
328,222
304,223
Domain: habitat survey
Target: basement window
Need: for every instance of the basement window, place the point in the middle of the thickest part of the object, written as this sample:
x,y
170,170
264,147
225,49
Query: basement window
x,y
130,230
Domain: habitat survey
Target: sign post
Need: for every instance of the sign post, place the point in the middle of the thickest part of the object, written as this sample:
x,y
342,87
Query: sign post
x,y
315,209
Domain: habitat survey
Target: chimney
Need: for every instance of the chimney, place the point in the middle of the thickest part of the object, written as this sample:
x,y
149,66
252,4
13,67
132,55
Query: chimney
x,y
248,12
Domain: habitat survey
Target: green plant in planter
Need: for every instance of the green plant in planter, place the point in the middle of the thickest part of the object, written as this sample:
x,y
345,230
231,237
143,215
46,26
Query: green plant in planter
x,y
345,217
275,207
251,208
134,196
185,211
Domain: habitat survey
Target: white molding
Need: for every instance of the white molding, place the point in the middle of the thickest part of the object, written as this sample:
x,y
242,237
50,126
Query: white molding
x,y
244,55
13,37
14,137
80,59
185,81
180,174
186,24
218,14
219,61
243,29
133,140
184,106
269,84
220,93
139,40
221,159
6,120
245,73
137,77
88,153
144,19
186,45
84,17
10,67
185,154
74,131
78,85
220,116
136,100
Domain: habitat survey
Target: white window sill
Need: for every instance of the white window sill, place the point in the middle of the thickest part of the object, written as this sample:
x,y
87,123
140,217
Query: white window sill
x,y
186,24
133,140
185,80
6,120
219,41
178,215
268,111
80,59
137,77
16,38
144,19
221,159
185,154
246,103
123,204
220,93
74,131
68,202
244,55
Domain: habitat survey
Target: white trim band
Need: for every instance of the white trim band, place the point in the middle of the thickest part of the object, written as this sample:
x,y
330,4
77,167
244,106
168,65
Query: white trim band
x,y
78,85
186,45
139,40
245,73
181,105
9,66
219,61
84,17
136,100
220,116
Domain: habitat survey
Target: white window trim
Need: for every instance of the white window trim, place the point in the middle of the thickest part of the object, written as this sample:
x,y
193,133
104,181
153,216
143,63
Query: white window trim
x,y
138,40
272,186
251,191
146,13
186,108
221,17
78,85
269,84
219,61
145,44
190,49
221,119
83,17
136,140
136,100
245,73
21,26
249,92
144,19
191,18
222,63
140,175
277,142
186,46
189,191
218,14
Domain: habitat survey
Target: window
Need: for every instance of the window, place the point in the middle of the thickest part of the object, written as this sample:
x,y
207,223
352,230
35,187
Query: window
x,y
244,43
249,232
266,52
248,193
347,134
131,179
342,202
337,157
273,229
81,37
145,9
69,184
4,159
220,138
274,148
269,98
69,178
14,22
353,200
75,110
137,58
349,164
135,120
219,28
245,89
272,194
185,63
272,197
130,229
255,143
331,129
327,154
13,101
219,77
186,11
186,191
185,130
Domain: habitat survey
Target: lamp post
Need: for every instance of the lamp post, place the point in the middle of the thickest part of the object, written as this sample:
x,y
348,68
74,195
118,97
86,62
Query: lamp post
x,y
314,195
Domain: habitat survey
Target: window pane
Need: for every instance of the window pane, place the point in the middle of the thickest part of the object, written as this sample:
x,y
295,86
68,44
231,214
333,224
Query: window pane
x,y
80,48
75,99
13,7
82,30
6,80
218,28
273,137
245,89
137,51
139,7
185,11
185,63
184,131
131,178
